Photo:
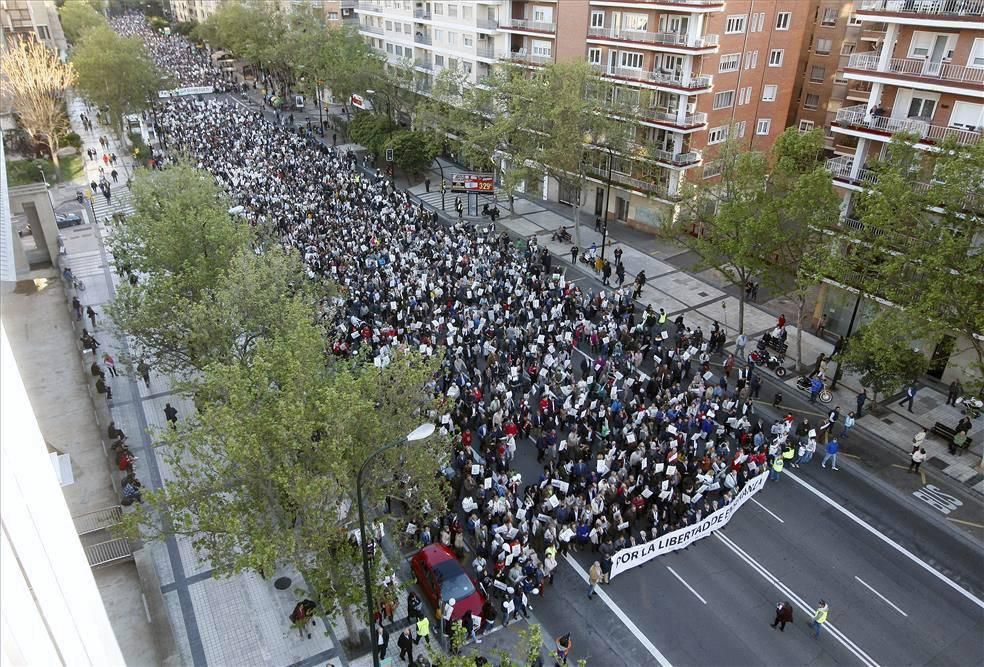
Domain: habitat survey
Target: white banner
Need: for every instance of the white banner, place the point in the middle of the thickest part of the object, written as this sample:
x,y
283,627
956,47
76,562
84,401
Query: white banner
x,y
626,559
180,92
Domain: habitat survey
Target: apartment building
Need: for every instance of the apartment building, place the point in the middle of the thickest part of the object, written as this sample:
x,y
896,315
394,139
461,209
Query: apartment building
x,y
339,12
926,77
186,11
36,18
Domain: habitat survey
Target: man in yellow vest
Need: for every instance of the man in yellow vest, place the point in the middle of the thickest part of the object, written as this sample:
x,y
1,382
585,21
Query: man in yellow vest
x,y
777,464
788,453
423,631
819,618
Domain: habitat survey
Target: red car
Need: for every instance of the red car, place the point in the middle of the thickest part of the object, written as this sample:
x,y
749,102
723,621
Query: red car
x,y
442,577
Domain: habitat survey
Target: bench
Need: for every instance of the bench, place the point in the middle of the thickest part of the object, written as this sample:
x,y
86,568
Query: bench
x,y
947,433
776,345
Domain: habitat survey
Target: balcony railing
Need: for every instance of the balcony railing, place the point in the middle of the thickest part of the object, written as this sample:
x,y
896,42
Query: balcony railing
x,y
857,225
840,168
423,14
944,8
486,24
421,38
654,188
485,51
532,26
917,68
369,7
655,38
669,117
676,159
530,59
423,64
694,3
670,79
858,116
365,27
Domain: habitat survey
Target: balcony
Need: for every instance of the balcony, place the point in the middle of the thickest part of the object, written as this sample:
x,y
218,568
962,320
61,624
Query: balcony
x,y
840,169
422,14
687,159
970,10
670,39
375,30
911,68
369,7
487,52
528,59
528,26
424,65
659,190
857,117
656,116
486,24
421,38
675,5
667,79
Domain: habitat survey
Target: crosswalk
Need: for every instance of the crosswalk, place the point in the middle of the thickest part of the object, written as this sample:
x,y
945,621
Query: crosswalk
x,y
121,202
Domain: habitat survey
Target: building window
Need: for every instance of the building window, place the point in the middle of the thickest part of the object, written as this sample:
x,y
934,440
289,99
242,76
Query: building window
x,y
735,24
438,9
452,11
467,40
812,102
740,129
438,60
452,38
847,48
818,73
332,16
543,14
597,19
438,35
751,59
466,12
729,62
389,47
805,126
763,126
829,16
389,26
594,56
541,48
769,92
724,99
717,135
712,169
759,24
824,46
631,60
976,59
744,96
43,32
783,20
854,20
775,58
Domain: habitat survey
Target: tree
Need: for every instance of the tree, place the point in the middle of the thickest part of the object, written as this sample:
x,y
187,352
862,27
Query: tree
x,y
263,475
413,150
115,73
881,353
738,223
35,81
371,130
560,123
77,17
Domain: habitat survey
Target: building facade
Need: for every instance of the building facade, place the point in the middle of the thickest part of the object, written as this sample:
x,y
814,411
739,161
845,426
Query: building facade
x,y
37,18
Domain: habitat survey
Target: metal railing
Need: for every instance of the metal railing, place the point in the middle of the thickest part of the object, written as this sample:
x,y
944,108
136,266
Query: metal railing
x,y
423,64
858,116
92,522
529,58
365,27
663,78
655,38
668,157
658,189
486,24
422,14
108,553
917,68
485,51
945,8
369,7
669,117
421,38
694,3
840,167
532,26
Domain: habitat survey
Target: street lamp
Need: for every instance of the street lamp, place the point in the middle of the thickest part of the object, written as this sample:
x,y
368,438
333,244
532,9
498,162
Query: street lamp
x,y
608,194
422,432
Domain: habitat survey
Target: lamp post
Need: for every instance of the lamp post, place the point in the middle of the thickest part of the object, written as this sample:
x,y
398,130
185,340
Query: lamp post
x,y
422,432
608,194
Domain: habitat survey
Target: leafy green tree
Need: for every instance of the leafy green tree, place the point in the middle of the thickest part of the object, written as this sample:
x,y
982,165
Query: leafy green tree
x,y
881,352
371,130
116,73
346,63
263,475
77,17
413,150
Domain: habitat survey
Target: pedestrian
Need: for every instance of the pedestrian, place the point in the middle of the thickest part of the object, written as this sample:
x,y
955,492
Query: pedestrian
x,y
849,422
382,640
606,272
910,396
822,325
953,393
620,272
755,385
916,457
171,415
838,346
104,388
77,307
405,644
110,363
91,314
144,370
832,448
564,645
819,618
740,342
459,207
816,386
115,174
468,622
414,607
777,400
594,578
598,224
640,282
508,607
860,400
488,616
958,443
427,181
423,630
784,615
777,465
447,616
805,452
574,255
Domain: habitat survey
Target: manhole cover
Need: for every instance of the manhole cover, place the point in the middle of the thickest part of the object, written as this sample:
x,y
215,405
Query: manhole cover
x,y
704,294
887,421
282,584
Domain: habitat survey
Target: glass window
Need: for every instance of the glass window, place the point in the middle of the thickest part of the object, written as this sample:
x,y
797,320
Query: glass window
x,y
438,9
763,126
735,24
782,20
467,41
829,16
439,60
717,135
466,12
740,129
769,92
751,59
635,22
631,60
724,99
775,58
453,11
824,46
597,19
847,48
729,62
805,125
818,73
812,102
594,56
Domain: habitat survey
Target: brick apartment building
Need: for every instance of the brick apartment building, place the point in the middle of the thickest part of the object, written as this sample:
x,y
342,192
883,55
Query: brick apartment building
x,y
693,71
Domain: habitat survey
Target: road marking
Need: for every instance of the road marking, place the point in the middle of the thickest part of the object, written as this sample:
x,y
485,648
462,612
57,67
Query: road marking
x,y
887,601
626,621
774,516
966,523
906,468
935,498
689,587
887,540
807,609
850,456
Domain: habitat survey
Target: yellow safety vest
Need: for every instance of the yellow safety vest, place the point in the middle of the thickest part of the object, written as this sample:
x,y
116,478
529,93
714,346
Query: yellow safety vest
x,y
821,616
777,464
788,454
423,627
662,318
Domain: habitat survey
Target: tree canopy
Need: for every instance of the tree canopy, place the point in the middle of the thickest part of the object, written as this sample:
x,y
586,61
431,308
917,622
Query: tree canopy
x,y
77,17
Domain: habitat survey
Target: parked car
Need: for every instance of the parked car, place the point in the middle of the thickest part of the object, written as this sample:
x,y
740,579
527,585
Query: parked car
x,y
67,220
442,577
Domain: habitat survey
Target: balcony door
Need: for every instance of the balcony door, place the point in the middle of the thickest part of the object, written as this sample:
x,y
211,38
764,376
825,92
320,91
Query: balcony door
x,y
934,65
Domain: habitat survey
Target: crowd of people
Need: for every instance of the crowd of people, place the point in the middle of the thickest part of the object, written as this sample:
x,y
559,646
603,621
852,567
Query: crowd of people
x,y
173,54
635,433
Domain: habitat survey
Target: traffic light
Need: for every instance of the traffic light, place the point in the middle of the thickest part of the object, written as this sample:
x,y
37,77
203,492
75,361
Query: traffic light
x,y
389,154
444,185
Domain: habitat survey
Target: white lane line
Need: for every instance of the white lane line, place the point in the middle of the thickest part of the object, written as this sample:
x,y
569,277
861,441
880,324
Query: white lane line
x,y
626,621
788,592
689,588
887,540
887,601
773,514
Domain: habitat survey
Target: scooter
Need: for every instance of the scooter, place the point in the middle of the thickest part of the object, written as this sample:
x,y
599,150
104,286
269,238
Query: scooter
x,y
972,407
562,235
770,361
803,382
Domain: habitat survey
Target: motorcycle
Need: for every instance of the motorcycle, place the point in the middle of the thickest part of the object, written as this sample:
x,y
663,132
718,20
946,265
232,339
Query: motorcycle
x,y
771,361
561,235
825,396
972,407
